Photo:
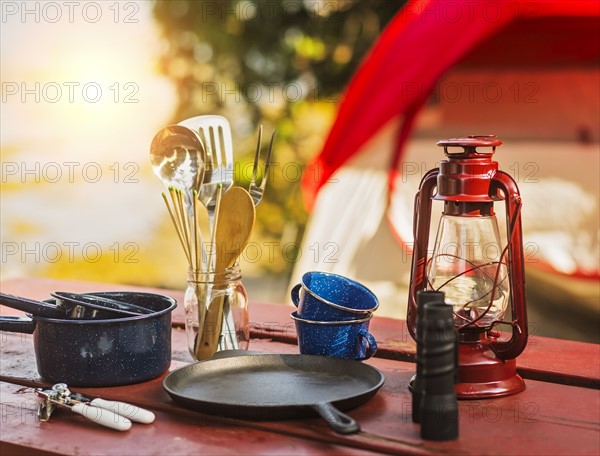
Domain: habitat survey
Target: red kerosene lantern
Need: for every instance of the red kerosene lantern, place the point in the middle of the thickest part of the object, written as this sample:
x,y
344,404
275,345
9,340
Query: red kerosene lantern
x,y
480,278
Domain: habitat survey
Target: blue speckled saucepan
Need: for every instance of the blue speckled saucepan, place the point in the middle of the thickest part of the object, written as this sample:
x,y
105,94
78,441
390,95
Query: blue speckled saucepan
x,y
109,352
323,296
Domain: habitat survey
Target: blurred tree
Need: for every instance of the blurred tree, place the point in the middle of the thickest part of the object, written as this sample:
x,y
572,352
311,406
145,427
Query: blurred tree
x,y
279,63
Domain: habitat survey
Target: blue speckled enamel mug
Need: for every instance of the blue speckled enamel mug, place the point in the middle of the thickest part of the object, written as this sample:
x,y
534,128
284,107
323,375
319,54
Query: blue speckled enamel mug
x,y
323,296
341,339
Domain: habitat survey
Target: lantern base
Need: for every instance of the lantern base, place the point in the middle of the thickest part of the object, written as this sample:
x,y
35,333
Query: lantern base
x,y
481,374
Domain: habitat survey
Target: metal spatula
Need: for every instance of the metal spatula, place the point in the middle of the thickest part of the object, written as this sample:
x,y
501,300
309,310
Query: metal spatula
x,y
215,133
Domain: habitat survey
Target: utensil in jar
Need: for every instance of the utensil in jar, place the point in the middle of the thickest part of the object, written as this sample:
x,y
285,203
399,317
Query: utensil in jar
x,y
231,240
236,221
255,189
236,218
178,158
215,132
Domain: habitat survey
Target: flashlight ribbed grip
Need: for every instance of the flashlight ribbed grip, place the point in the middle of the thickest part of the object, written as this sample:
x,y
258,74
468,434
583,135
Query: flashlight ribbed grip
x,y
438,407
424,298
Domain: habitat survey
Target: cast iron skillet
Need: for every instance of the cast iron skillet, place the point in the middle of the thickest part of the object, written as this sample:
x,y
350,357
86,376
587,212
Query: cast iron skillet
x,y
274,386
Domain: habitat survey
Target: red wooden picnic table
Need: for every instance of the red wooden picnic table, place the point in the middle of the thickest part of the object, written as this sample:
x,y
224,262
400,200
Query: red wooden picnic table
x,y
558,413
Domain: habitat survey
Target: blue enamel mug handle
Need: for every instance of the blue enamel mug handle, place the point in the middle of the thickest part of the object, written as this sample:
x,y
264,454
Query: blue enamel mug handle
x,y
296,294
371,343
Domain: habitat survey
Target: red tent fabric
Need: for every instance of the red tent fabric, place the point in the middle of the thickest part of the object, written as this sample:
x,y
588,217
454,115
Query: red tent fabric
x,y
427,38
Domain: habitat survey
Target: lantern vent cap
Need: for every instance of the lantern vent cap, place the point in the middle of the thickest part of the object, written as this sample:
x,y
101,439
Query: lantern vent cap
x,y
469,145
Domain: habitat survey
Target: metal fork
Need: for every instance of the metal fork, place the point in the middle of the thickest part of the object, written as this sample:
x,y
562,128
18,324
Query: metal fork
x,y
215,133
257,190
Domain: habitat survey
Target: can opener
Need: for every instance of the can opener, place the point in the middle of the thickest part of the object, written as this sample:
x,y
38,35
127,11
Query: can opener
x,y
112,414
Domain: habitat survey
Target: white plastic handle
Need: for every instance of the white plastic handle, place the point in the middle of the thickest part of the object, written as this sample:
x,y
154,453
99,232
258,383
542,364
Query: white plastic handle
x,y
103,417
133,412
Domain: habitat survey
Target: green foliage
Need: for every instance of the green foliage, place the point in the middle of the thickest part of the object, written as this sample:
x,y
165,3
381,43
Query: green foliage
x,y
279,63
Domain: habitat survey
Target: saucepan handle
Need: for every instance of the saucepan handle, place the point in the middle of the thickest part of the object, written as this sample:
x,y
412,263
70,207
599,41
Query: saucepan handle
x,y
17,324
338,421
42,309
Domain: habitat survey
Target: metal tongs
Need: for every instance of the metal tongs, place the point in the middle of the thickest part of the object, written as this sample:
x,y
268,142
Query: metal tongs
x,y
112,414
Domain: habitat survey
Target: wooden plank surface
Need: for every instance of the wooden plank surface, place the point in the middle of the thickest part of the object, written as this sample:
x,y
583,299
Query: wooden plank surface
x,y
171,433
545,419
546,359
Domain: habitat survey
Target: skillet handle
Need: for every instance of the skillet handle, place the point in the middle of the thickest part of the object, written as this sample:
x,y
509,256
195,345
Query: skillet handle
x,y
338,421
17,324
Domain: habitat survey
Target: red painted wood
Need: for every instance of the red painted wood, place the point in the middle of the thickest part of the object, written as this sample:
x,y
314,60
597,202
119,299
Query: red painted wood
x,y
171,433
558,361
546,418
554,360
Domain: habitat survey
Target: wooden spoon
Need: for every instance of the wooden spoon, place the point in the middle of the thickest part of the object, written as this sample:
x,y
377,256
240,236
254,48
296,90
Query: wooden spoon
x,y
235,221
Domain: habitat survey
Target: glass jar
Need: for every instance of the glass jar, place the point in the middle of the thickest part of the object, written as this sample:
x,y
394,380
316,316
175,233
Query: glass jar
x,y
216,312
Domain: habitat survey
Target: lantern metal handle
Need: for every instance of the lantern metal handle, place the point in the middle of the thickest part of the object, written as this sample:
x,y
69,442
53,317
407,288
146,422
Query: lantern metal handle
x,y
421,223
512,348
418,281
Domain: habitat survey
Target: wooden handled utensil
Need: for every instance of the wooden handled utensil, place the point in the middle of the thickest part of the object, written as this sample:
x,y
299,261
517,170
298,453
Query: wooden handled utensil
x,y
235,220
